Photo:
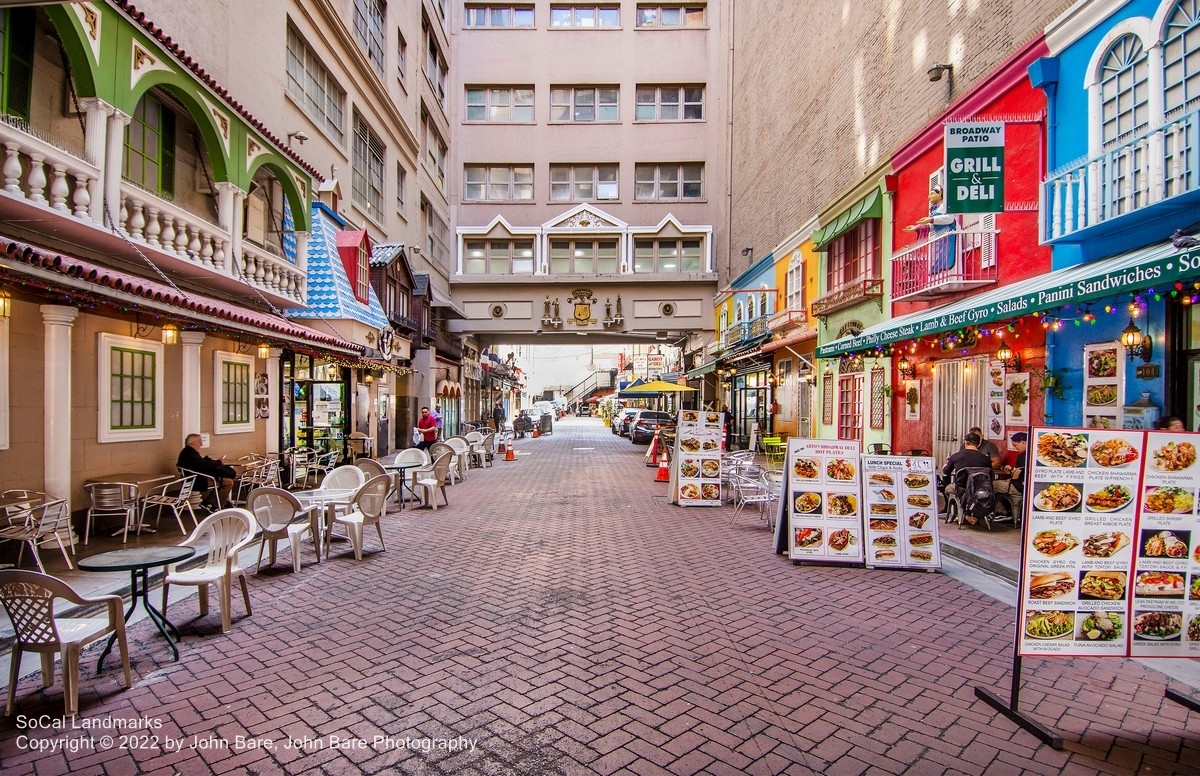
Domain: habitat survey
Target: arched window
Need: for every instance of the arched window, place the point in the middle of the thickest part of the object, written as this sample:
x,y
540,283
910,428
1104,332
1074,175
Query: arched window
x,y
739,313
1124,91
764,305
1181,56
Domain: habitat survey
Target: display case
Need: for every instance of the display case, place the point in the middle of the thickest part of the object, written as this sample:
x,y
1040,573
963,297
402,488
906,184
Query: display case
x,y
316,403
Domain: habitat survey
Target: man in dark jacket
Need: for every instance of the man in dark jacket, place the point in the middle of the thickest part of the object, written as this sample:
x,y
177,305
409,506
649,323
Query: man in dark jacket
x,y
191,459
498,416
969,457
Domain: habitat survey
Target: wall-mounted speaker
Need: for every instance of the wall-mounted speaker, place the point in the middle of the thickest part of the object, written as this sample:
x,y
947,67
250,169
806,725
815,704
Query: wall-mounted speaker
x,y
667,308
497,311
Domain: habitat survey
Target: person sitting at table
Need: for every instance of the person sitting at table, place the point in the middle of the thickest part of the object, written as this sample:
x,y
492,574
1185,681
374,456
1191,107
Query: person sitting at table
x,y
968,457
191,459
988,448
1014,486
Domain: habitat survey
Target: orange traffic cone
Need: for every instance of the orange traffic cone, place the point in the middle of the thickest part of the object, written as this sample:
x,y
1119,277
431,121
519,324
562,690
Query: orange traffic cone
x,y
664,468
502,446
510,454
535,432
652,453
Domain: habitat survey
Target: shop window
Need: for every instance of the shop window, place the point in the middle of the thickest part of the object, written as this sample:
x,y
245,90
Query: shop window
x,y
16,57
850,406
150,147
130,387
233,393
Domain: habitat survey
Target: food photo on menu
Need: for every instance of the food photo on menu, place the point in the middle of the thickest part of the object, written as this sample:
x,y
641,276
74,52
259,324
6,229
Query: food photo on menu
x,y
1157,625
1165,544
1061,450
1056,497
1050,624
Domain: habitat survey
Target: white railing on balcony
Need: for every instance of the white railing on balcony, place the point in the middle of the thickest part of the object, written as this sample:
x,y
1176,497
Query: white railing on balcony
x,y
787,319
270,272
952,261
1152,166
148,218
40,172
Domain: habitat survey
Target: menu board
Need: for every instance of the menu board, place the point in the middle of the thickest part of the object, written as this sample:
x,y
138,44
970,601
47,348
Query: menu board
x,y
900,495
1111,566
1103,385
995,403
823,487
696,465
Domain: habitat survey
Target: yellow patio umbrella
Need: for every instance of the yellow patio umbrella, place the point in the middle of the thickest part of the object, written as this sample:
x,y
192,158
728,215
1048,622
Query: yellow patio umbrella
x,y
658,386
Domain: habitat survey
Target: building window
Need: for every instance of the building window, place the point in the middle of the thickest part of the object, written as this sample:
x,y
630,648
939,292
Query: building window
x,y
362,278
669,181
498,184
1124,89
498,257
668,16
670,103
1181,70
368,29
368,169
498,16
150,147
585,17
500,104
17,28
583,257
436,234
850,406
666,256
311,85
584,103
130,387
401,185
795,282
401,56
583,182
853,257
435,153
435,67
232,388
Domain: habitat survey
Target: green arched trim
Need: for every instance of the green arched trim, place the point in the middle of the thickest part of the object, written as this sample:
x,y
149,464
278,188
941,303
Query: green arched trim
x,y
301,213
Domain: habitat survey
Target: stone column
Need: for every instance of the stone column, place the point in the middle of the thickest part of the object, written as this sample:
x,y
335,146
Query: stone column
x,y
56,402
274,386
96,124
229,218
114,159
189,389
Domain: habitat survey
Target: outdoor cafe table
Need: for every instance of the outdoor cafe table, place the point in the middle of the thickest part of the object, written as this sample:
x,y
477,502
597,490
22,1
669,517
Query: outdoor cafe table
x,y
138,561
328,500
401,475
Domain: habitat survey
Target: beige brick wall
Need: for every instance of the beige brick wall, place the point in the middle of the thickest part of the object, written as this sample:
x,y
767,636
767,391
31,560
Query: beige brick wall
x,y
825,92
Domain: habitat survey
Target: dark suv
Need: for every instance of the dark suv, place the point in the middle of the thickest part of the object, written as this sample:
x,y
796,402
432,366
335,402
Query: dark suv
x,y
646,422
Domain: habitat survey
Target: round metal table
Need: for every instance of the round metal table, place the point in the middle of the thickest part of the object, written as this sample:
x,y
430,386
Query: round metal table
x,y
138,561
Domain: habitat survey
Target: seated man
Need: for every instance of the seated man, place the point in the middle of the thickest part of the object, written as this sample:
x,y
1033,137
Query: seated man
x,y
969,457
191,459
1014,487
988,448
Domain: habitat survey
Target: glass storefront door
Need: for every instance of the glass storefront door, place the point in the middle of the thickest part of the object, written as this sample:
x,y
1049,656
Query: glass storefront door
x,y
316,403
751,407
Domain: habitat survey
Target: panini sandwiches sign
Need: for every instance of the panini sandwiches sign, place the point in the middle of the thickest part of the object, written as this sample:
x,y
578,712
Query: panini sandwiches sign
x,y
1089,288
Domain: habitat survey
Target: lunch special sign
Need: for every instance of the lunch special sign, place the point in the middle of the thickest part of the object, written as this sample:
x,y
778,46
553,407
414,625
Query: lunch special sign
x,y
1112,545
824,501
901,512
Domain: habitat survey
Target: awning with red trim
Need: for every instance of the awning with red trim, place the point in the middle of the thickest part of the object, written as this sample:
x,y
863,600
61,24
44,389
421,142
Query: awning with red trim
x,y
793,339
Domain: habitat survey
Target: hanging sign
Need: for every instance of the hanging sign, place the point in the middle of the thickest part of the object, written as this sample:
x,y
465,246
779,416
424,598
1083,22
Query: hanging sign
x,y
974,167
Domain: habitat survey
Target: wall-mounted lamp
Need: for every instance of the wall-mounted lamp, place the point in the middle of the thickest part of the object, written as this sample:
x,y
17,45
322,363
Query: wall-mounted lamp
x,y
170,334
1011,360
906,368
299,136
264,351
771,379
937,70
368,378
1136,344
828,369
747,250
5,305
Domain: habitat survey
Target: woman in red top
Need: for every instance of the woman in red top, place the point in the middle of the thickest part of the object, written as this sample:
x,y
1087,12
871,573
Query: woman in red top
x,y
427,425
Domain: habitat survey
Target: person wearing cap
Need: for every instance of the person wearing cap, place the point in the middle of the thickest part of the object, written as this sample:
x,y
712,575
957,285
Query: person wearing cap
x,y
934,226
988,448
969,457
1014,487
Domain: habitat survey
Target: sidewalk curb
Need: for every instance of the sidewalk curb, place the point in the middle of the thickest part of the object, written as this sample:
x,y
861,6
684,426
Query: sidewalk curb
x,y
980,560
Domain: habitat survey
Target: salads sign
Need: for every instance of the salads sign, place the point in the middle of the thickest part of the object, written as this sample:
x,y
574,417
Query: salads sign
x,y
1168,269
1112,545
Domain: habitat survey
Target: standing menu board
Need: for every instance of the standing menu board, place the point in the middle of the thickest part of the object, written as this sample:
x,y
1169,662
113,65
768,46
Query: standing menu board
x,y
900,495
1111,566
696,465
823,490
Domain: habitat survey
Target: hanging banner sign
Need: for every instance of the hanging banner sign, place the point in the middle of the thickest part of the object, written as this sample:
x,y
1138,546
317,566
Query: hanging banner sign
x,y
974,167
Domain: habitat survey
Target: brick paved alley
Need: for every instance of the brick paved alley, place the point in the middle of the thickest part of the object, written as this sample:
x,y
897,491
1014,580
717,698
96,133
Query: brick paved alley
x,y
563,618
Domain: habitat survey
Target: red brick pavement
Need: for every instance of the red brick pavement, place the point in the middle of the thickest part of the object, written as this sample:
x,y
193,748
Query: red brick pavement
x,y
564,618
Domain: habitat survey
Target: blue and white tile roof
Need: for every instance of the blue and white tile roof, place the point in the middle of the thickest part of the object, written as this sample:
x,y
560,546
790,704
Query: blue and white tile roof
x,y
329,294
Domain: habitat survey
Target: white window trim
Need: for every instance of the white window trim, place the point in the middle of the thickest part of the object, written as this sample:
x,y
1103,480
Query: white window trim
x,y
5,408
221,357
105,342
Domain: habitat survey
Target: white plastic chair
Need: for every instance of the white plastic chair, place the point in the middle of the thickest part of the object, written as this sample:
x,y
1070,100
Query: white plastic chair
x,y
366,509
347,477
29,597
280,516
436,480
462,453
227,532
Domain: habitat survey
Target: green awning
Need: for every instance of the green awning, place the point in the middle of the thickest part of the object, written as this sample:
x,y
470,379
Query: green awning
x,y
870,206
702,370
1161,266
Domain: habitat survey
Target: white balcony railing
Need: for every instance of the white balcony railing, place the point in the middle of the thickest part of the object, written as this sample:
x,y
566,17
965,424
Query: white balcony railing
x,y
41,173
952,261
1151,167
269,272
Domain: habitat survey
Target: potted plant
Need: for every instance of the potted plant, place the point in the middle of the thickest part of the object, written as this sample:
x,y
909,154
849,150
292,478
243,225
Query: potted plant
x,y
1050,381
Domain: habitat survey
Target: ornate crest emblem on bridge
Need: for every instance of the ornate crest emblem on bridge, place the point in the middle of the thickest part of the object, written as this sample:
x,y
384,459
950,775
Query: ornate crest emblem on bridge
x,y
583,300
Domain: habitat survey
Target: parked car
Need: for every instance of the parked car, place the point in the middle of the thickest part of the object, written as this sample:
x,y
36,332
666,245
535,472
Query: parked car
x,y
584,410
646,422
620,421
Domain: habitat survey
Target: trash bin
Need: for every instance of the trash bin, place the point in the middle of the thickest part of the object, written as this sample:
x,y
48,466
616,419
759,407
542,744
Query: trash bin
x,y
547,424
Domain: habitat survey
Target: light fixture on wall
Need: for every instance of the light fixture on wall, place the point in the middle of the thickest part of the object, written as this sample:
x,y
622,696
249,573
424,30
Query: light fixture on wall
x,y
1011,360
264,350
937,70
829,369
368,377
299,136
906,368
5,305
1136,344
170,334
